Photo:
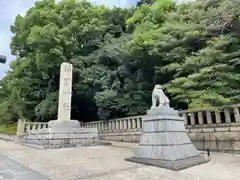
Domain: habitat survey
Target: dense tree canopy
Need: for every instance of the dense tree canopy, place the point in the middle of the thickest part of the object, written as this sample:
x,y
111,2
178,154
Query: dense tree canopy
x,y
119,54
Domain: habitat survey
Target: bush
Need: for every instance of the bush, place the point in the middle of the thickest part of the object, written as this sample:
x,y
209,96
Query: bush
x,y
8,129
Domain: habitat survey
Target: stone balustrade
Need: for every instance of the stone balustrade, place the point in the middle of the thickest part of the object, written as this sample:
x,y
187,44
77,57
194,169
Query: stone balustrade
x,y
24,127
133,122
217,128
214,115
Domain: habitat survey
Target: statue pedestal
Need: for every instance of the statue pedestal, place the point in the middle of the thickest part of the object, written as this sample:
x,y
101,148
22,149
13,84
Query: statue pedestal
x,y
63,133
164,141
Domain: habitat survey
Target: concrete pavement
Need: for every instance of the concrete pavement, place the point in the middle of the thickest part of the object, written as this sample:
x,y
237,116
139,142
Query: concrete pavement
x,y
11,170
106,163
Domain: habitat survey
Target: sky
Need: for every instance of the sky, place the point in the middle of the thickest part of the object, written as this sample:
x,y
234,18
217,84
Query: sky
x,y
11,8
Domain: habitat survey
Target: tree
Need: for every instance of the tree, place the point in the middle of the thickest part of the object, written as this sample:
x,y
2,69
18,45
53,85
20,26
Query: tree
x,y
49,34
192,49
150,2
199,45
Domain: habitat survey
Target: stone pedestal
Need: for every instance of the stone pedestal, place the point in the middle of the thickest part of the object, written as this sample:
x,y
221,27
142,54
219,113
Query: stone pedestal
x,y
61,134
164,141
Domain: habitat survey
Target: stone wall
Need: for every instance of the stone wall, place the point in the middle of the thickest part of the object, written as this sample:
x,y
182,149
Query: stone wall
x,y
217,137
222,138
217,128
129,135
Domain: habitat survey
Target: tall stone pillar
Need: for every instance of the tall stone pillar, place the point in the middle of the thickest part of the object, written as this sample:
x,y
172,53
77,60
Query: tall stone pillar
x,y
64,132
65,92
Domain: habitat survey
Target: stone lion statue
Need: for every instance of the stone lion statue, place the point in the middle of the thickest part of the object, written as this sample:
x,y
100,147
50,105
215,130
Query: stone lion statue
x,y
159,99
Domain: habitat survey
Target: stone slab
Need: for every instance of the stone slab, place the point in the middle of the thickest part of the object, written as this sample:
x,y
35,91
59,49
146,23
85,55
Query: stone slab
x,y
172,165
162,117
61,142
165,138
163,126
162,111
37,146
64,123
171,153
62,134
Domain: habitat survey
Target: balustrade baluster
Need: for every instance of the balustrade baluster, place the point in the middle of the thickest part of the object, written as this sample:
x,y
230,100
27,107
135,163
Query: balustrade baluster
x,y
209,117
227,115
236,114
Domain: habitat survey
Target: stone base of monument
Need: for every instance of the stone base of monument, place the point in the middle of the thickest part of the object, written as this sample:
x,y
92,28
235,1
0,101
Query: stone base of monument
x,y
165,142
62,134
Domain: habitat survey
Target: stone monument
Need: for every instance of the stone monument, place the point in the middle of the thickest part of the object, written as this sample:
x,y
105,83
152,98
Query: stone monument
x,y
164,141
65,92
63,122
63,132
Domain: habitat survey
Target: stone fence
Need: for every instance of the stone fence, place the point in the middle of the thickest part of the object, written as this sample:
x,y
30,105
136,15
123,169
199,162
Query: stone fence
x,y
24,127
217,128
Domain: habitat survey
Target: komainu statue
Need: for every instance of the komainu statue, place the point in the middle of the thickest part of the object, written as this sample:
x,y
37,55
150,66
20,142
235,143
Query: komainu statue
x,y
159,99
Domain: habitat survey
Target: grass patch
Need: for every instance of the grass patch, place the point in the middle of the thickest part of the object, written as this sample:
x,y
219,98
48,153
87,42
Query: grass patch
x,y
10,129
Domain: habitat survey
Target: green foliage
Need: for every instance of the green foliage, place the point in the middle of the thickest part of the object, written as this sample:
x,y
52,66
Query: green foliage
x,y
8,129
46,36
141,2
206,34
119,54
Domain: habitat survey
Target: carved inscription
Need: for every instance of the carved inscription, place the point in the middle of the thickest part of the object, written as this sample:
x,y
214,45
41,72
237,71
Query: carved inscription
x,y
65,92
66,106
67,81
68,68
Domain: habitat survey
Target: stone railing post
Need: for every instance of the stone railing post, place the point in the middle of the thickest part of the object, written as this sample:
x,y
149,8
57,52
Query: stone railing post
x,y
209,117
98,126
129,121
218,117
105,125
109,125
121,124
236,114
39,126
20,127
192,118
112,125
139,123
227,115
34,126
101,126
28,127
117,124
134,123
124,124
200,117
185,118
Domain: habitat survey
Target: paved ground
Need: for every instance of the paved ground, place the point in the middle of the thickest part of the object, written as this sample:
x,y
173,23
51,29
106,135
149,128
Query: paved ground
x,y
11,170
107,163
